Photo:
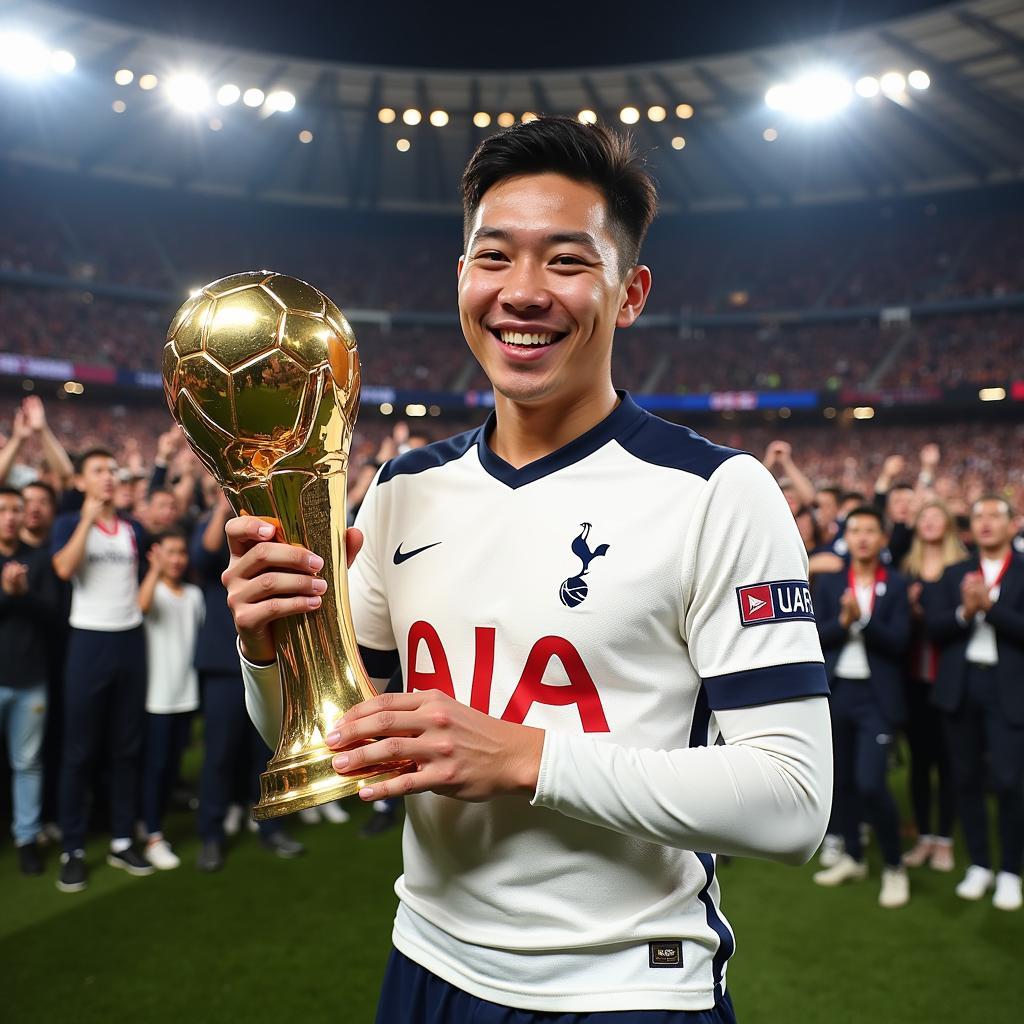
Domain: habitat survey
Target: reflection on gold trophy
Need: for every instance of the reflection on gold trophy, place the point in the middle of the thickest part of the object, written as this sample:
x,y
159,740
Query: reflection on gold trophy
x,y
261,372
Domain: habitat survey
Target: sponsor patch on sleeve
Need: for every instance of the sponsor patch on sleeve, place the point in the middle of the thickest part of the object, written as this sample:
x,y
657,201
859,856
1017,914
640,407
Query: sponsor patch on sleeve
x,y
783,601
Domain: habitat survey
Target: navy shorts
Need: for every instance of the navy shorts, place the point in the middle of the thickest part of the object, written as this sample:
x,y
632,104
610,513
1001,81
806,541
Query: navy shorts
x,y
412,995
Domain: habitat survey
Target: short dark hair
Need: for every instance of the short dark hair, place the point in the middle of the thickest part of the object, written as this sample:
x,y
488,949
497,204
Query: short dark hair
x,y
992,496
11,492
902,485
96,452
162,490
589,153
850,496
831,489
868,510
43,486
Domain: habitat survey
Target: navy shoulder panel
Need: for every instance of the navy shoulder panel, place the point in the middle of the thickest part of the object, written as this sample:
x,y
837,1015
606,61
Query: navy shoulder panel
x,y
430,456
674,446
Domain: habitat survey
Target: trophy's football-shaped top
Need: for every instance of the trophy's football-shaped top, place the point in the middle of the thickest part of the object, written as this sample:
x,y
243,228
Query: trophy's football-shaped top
x,y
261,372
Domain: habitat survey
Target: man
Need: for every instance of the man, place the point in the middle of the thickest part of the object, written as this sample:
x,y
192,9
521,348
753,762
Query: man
x,y
105,675
40,511
864,625
28,609
976,614
584,599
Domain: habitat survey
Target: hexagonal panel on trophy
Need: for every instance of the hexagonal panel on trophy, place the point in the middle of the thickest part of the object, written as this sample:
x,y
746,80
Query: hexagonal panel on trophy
x,y
242,325
170,372
209,386
269,393
225,285
188,326
306,338
337,320
296,295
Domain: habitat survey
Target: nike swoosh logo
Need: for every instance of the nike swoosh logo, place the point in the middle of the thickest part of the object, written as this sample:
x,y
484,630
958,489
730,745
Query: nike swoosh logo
x,y
404,556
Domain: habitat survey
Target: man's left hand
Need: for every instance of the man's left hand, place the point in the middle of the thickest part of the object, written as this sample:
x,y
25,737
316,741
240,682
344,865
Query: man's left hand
x,y
458,751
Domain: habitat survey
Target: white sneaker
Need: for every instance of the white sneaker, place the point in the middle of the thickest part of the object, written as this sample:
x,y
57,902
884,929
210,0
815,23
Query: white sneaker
x,y
846,869
160,855
1008,892
233,820
895,891
831,850
976,883
334,813
310,815
250,822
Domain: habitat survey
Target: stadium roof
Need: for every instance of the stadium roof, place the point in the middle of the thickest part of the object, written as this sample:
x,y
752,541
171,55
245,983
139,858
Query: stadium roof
x,y
704,122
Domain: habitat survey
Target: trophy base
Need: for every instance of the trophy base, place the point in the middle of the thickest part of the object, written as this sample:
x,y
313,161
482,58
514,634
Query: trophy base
x,y
285,789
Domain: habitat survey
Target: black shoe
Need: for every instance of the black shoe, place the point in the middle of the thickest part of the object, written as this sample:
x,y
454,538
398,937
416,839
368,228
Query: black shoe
x,y
132,861
378,822
73,876
282,844
211,856
30,859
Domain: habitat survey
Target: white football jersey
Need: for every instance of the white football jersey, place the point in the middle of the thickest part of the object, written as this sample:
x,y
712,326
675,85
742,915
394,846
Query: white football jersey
x,y
616,593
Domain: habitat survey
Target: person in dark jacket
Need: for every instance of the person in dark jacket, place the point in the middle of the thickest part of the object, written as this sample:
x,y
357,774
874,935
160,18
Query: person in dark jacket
x,y
863,618
975,613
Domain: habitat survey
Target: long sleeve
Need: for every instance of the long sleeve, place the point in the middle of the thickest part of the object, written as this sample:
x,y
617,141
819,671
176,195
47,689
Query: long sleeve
x,y
766,792
263,698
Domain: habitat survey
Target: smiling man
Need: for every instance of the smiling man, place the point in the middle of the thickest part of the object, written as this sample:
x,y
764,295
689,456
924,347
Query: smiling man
x,y
611,665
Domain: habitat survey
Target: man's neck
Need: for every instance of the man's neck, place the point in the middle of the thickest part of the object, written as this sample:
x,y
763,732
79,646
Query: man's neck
x,y
171,584
525,433
995,554
33,538
8,547
864,570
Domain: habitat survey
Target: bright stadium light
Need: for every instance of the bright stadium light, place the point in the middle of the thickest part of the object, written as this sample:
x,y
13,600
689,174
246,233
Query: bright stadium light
x,y
226,94
506,119
403,145
482,119
528,116
893,84
281,101
678,142
866,87
216,124
411,116
656,113
684,111
769,134
124,76
587,117
253,97
812,97
919,79
119,106
386,115
148,82
23,55
305,136
188,92
62,61
629,115
438,118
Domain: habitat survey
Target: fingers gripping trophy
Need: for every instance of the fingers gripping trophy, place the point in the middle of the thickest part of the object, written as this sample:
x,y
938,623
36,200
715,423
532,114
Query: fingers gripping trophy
x,y
261,372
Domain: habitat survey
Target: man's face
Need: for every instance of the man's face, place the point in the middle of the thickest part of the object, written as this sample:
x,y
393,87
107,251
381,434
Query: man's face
x,y
542,262
901,504
865,537
991,524
828,507
12,515
163,511
39,510
98,478
175,557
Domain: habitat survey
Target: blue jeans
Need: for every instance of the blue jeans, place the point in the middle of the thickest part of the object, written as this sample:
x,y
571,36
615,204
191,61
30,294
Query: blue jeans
x,y
23,718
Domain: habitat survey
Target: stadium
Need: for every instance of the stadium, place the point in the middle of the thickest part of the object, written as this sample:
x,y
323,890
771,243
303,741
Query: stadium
x,y
838,268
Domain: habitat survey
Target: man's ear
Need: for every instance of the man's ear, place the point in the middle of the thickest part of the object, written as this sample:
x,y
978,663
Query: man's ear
x,y
638,288
461,264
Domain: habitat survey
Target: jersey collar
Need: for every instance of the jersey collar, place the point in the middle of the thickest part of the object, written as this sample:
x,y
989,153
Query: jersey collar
x,y
619,421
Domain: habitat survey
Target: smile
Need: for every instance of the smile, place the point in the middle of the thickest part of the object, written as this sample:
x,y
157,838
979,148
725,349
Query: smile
x,y
524,340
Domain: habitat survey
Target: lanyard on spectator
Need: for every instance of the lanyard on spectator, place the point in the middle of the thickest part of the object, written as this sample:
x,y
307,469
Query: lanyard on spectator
x,y
1002,572
880,577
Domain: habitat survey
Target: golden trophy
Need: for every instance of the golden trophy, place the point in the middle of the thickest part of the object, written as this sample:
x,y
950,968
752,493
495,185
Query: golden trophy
x,y
261,372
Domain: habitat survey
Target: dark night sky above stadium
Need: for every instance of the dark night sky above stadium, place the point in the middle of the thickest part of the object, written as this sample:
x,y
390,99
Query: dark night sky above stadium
x,y
509,34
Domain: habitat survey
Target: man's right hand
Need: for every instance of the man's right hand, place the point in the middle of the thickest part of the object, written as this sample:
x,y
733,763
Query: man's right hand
x,y
267,580
92,509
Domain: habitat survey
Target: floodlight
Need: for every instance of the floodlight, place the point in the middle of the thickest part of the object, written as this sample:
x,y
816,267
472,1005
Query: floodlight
x,y
148,82
253,97
281,100
678,142
403,145
411,116
769,134
893,84
23,55
305,135
62,62
587,117
656,113
124,76
528,116
629,115
867,87
438,118
386,115
506,119
684,111
812,97
481,119
226,94
188,92
779,97
919,79
119,106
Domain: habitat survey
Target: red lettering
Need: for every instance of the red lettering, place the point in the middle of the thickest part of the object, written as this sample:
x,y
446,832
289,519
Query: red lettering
x,y
483,670
580,689
438,679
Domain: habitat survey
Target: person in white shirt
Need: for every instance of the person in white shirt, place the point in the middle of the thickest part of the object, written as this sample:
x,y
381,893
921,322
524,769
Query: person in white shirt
x,y
864,623
975,613
603,621
173,610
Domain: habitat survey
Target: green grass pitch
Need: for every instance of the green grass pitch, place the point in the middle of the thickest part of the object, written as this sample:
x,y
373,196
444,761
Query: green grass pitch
x,y
306,940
